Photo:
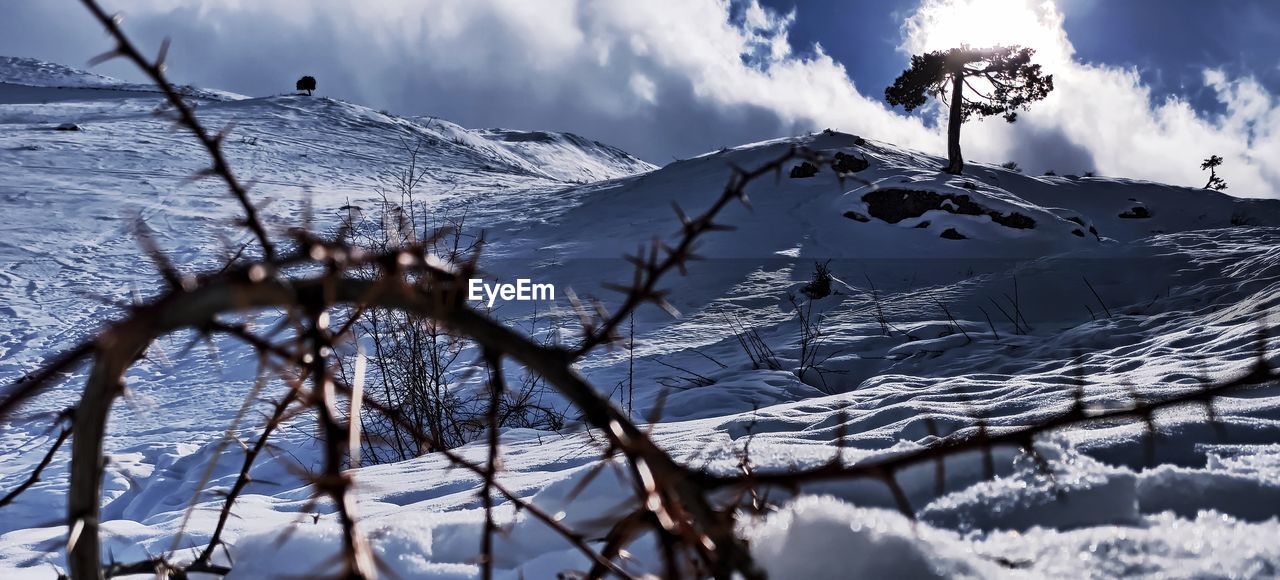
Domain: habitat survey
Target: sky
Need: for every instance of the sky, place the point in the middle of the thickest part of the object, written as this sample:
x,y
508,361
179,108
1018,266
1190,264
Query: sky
x,y
1144,88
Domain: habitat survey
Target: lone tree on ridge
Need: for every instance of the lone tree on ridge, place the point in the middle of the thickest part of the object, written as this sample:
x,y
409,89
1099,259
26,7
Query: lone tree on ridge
x,y
1215,183
307,83
1007,82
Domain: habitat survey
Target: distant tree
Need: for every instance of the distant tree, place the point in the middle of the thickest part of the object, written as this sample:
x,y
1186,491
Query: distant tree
x,y
1215,183
1011,166
819,286
1005,73
307,83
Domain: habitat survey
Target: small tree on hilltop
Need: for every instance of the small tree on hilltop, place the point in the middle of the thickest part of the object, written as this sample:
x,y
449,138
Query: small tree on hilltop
x,y
1215,183
307,83
1007,81
820,285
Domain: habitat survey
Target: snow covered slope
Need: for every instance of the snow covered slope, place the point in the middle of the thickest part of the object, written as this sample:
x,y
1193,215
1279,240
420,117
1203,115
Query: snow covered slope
x,y
990,297
18,76
566,156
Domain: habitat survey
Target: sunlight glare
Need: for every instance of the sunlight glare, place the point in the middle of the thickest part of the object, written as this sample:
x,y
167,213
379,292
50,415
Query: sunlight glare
x,y
943,24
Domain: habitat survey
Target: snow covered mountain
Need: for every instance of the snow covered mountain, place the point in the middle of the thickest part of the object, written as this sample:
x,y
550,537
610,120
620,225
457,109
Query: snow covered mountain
x,y
990,298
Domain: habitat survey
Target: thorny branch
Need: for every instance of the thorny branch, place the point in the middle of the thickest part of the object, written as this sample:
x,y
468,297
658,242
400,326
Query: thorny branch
x,y
397,415
695,529
243,479
186,118
662,258
983,440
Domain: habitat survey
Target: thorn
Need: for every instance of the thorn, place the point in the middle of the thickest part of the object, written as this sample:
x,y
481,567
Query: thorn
x,y
684,219
667,306
226,131
205,173
636,259
74,537
106,56
164,53
616,287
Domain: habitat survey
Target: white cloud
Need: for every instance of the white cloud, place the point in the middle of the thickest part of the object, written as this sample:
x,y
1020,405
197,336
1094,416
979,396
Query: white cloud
x,y
658,77
644,88
677,77
1106,112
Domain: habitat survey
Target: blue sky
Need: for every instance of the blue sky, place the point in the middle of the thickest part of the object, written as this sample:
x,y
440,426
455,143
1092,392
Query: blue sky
x,y
864,37
1168,41
1145,88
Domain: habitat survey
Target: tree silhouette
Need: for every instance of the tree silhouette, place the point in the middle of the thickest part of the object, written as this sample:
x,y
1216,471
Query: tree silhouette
x,y
1215,183
307,83
1007,81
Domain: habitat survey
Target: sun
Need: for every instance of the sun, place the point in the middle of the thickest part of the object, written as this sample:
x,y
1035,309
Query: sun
x,y
943,24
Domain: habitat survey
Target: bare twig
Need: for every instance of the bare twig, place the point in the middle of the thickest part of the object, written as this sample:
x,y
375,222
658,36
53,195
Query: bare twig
x,y
1095,295
496,388
34,476
989,323
243,479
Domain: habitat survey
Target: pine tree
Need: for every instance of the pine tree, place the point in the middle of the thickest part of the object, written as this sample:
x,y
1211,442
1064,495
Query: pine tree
x,y
1007,82
1215,183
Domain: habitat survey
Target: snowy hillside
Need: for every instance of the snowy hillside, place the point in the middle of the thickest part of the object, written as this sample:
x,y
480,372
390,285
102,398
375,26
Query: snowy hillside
x,y
567,156
991,299
20,77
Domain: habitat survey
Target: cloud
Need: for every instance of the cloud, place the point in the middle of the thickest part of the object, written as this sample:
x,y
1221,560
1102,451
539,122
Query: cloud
x,y
1107,111
672,78
661,78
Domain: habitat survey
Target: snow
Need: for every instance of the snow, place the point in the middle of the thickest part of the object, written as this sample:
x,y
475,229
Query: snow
x,y
19,76
567,156
821,537
1187,290
1078,492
